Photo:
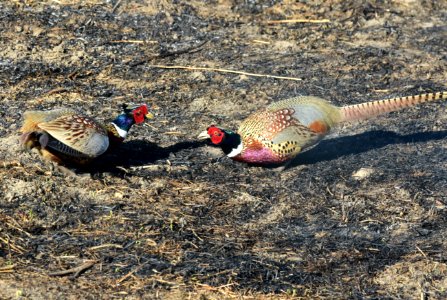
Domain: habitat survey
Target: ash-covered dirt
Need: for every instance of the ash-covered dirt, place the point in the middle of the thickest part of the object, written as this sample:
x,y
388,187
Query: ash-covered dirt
x,y
362,215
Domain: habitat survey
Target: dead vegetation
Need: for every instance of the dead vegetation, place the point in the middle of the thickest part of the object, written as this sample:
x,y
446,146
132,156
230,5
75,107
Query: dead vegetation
x,y
362,215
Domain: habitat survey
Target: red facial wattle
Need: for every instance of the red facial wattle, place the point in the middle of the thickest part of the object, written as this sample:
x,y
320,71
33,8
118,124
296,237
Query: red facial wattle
x,y
216,135
139,113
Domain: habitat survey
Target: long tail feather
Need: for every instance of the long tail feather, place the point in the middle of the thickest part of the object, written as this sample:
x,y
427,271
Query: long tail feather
x,y
374,108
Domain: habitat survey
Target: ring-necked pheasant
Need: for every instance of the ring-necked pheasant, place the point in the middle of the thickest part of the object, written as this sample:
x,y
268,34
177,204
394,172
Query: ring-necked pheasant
x,y
64,135
277,133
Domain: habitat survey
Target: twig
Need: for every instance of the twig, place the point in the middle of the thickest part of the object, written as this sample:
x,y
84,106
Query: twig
x,y
261,42
196,235
7,269
191,49
8,164
224,71
94,248
122,169
371,221
206,286
16,248
75,74
297,21
17,227
223,289
164,54
167,282
129,274
422,252
116,6
150,167
133,42
56,91
76,270
149,125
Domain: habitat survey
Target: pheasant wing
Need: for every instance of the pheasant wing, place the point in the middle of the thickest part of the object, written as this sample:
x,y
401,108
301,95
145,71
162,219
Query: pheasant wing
x,y
304,120
80,133
278,130
288,135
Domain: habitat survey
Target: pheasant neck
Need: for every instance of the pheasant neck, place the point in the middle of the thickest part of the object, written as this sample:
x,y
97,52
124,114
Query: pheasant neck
x,y
122,124
232,144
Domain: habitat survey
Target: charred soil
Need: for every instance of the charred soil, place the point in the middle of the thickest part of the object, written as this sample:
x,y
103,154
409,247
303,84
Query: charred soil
x,y
361,215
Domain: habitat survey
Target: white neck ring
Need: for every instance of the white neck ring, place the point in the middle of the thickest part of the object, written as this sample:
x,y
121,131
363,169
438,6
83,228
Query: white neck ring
x,y
236,151
122,133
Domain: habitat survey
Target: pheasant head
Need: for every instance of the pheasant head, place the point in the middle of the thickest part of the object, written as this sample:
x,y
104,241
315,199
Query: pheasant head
x,y
229,141
121,125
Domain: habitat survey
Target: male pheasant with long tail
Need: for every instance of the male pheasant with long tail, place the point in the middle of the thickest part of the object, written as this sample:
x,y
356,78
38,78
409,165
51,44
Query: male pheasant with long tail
x,y
277,133
66,136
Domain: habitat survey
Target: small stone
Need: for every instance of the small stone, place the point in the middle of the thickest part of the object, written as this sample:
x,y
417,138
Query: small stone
x,y
243,77
440,205
198,76
36,31
362,173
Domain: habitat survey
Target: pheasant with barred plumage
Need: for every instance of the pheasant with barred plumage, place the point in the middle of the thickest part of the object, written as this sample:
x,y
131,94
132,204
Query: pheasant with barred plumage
x,y
276,134
64,135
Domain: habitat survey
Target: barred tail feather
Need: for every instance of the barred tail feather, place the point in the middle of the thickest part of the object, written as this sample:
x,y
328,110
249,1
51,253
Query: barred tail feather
x,y
374,108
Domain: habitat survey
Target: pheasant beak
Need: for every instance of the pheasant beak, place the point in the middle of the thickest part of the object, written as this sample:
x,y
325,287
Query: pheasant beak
x,y
149,116
204,135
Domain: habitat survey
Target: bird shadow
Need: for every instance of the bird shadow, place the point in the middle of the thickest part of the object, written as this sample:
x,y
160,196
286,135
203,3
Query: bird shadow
x,y
134,153
334,148
141,152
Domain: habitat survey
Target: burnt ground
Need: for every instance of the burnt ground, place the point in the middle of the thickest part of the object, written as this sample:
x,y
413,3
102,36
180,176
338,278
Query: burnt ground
x,y
362,215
